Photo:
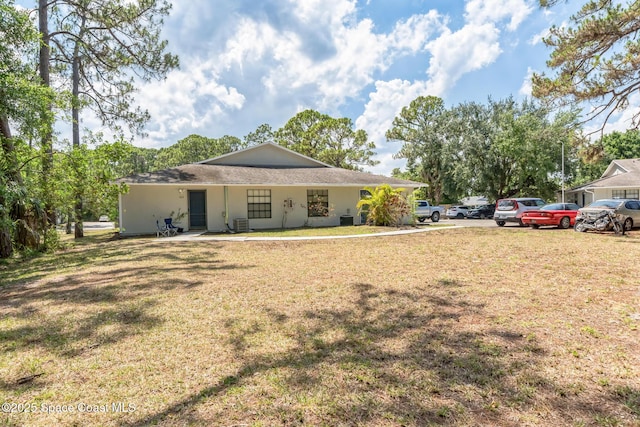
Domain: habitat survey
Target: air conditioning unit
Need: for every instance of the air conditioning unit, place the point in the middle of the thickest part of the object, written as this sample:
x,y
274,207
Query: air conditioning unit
x,y
241,225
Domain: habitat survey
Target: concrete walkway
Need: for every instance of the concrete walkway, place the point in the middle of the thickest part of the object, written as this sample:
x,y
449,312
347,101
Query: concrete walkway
x,y
191,236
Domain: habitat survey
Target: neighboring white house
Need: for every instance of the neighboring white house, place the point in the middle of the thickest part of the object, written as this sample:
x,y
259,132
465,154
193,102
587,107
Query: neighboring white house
x,y
621,180
267,185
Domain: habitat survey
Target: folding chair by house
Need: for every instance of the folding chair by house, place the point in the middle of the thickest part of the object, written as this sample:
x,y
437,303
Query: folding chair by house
x,y
172,229
162,230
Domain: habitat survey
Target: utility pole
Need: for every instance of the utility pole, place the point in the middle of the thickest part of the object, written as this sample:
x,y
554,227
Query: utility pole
x,y
563,171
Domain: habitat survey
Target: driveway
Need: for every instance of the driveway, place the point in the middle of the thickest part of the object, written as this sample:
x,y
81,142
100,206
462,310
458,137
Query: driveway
x,y
468,222
91,225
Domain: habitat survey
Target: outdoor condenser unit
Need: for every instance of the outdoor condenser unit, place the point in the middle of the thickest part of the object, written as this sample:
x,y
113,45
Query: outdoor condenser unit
x,y
241,225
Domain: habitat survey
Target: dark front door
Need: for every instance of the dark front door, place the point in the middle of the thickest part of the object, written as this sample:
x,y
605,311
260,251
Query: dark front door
x,y
197,210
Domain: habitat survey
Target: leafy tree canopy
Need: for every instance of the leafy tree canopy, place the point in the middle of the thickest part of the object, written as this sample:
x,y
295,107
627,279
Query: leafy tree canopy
x,y
263,134
621,145
22,97
421,128
195,148
596,156
497,150
332,141
596,58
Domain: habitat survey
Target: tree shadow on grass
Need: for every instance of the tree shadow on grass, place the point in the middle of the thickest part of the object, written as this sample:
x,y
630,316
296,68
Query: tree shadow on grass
x,y
61,277
81,308
106,253
391,357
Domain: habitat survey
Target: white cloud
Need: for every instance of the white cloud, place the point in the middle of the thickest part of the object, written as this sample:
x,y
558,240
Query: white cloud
x,y
249,43
538,38
455,54
286,63
527,86
330,13
385,103
479,12
474,46
247,63
188,99
387,163
412,34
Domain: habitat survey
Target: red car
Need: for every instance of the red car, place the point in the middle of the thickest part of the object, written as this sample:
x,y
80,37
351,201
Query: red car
x,y
561,215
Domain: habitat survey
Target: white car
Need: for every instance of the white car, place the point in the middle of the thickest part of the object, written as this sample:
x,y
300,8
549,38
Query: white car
x,y
103,218
457,212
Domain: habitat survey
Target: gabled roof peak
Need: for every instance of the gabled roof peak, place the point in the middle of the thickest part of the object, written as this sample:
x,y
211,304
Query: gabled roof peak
x,y
622,166
266,154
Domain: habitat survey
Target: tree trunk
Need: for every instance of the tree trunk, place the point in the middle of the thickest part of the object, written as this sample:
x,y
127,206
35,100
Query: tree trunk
x,y
75,127
47,139
69,222
75,102
6,245
79,228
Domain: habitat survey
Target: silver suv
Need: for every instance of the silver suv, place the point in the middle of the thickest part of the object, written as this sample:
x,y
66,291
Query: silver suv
x,y
511,210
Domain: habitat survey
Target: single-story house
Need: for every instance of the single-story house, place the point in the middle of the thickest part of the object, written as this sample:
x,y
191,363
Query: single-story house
x,y
621,180
261,187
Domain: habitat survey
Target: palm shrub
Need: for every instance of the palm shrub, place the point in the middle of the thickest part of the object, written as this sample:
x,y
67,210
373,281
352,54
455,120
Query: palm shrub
x,y
385,205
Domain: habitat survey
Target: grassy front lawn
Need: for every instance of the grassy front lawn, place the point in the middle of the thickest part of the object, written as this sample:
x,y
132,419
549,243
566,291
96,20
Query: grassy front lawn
x,y
502,327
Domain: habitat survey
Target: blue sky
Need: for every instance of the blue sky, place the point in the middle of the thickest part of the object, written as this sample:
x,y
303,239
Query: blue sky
x,y
249,62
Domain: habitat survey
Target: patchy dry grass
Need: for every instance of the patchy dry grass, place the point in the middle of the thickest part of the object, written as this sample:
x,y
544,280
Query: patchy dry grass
x,y
502,327
350,230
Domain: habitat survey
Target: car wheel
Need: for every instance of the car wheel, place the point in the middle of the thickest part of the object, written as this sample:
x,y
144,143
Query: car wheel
x,y
579,226
500,223
483,216
522,224
565,222
435,217
628,224
535,226
459,216
421,219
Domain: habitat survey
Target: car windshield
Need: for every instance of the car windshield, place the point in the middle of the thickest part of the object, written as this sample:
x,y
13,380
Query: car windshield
x,y
560,207
506,204
553,207
534,202
612,204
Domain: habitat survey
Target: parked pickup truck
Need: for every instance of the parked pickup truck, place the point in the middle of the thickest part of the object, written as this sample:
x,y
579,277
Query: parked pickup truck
x,y
424,210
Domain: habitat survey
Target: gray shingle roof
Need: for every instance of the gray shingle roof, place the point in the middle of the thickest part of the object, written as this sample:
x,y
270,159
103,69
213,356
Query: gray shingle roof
x,y
264,176
630,178
631,165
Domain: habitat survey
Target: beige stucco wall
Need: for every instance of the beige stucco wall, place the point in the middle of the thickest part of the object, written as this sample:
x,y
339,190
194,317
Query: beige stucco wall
x,y
341,200
584,198
144,204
